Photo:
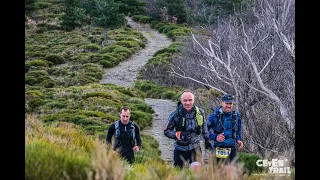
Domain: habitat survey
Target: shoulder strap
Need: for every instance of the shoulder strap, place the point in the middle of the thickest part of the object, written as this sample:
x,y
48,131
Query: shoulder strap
x,y
234,125
199,116
133,130
116,124
179,121
219,126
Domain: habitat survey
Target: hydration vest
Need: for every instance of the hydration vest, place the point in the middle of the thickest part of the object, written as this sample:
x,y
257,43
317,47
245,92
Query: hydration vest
x,y
181,121
220,122
117,140
132,130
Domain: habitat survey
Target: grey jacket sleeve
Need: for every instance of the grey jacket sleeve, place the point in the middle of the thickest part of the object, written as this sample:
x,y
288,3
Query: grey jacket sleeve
x,y
169,130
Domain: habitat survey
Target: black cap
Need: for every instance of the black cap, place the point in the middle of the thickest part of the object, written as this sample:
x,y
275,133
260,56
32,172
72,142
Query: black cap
x,y
227,98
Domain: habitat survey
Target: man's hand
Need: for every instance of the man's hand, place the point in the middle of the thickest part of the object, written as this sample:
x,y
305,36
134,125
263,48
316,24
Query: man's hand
x,y
208,144
178,135
185,136
136,148
240,145
220,137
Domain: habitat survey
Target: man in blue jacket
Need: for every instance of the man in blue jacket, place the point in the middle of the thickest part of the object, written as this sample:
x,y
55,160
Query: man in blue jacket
x,y
224,128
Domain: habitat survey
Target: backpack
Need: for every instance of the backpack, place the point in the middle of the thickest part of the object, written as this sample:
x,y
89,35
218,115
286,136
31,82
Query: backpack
x,y
132,130
199,119
220,123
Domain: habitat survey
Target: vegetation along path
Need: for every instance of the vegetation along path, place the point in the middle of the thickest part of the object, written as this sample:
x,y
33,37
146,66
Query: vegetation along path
x,y
125,73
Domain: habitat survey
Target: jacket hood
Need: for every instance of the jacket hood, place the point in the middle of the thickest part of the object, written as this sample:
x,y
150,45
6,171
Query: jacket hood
x,y
219,110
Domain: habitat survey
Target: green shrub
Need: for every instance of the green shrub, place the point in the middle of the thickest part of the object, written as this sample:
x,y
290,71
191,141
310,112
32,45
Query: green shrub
x,y
34,94
34,103
109,49
41,5
36,63
95,75
35,54
95,129
87,57
56,104
123,51
142,119
149,151
168,95
48,83
99,94
58,71
55,58
135,100
173,48
64,117
106,63
142,107
129,44
131,38
166,28
249,161
42,27
92,113
30,80
118,50
90,47
179,32
36,77
37,73
141,18
108,57
44,161
159,25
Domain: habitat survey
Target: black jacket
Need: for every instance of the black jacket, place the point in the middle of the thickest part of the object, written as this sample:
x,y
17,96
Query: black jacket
x,y
125,142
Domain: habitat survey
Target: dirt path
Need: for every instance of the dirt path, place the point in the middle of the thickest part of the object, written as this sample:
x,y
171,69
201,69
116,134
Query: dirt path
x,y
162,108
125,73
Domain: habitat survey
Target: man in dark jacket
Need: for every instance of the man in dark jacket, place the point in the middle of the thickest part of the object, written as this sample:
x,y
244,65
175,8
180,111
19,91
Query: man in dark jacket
x,y
186,125
226,134
125,134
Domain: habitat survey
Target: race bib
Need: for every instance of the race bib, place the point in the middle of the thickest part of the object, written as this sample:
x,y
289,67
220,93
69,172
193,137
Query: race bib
x,y
222,152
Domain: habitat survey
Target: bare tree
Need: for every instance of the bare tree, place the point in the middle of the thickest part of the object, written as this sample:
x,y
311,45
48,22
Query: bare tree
x,y
199,12
251,55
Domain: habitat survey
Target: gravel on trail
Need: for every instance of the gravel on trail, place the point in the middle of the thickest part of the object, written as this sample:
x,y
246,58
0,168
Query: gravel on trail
x,y
162,108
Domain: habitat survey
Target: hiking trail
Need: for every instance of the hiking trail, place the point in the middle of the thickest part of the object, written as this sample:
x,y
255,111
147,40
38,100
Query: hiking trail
x,y
125,74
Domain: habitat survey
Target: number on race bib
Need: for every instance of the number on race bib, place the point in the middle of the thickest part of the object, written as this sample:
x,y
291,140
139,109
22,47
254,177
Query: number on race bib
x,y
222,152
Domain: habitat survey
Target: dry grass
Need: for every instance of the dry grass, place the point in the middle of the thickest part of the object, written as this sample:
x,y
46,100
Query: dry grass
x,y
106,164
100,162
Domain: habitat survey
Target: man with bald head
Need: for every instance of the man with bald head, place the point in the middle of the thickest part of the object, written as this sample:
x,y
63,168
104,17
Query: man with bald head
x,y
186,125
